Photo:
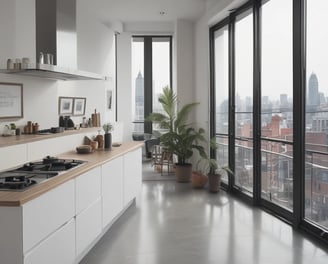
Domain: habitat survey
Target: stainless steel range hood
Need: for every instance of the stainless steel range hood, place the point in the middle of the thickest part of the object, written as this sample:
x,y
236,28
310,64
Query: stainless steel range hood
x,y
56,35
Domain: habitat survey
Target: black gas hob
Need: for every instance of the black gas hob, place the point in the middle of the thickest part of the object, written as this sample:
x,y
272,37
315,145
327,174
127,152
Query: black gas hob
x,y
32,173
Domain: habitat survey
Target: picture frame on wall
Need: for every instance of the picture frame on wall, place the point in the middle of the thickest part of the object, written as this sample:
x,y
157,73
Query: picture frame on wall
x,y
11,100
65,105
79,106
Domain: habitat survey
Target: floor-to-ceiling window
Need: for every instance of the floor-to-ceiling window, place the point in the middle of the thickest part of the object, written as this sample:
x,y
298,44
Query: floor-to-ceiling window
x,y
277,103
277,141
221,92
316,124
151,72
243,47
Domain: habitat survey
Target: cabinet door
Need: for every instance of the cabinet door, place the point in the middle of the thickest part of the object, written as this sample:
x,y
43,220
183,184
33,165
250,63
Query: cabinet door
x,y
87,189
132,175
45,214
112,189
88,226
57,248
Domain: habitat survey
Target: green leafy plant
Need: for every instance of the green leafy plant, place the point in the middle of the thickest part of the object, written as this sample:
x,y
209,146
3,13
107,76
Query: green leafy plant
x,y
108,127
209,165
181,138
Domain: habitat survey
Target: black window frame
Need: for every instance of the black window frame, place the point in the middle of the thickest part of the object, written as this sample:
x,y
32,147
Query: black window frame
x,y
148,74
297,217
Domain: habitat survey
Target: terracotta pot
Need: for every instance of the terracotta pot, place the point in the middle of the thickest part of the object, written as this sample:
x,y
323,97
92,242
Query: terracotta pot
x,y
214,182
198,179
183,172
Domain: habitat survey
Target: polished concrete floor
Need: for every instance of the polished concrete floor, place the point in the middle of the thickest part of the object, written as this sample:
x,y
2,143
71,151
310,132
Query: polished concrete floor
x,y
171,223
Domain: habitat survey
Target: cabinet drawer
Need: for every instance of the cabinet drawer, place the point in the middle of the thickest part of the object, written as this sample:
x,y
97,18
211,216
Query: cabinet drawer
x,y
87,189
45,214
88,226
132,175
57,248
112,189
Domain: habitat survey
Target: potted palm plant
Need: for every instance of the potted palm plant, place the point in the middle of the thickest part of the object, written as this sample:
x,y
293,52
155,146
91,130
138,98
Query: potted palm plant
x,y
213,169
181,138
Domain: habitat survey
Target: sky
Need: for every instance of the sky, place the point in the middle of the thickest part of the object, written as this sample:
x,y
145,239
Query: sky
x,y
277,50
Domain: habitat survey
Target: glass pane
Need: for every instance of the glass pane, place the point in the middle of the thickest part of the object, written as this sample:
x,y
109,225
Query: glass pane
x,y
161,69
244,165
138,84
244,102
221,79
222,155
316,166
277,102
277,173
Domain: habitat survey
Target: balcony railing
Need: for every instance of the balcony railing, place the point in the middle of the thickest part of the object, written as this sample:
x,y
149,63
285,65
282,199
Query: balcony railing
x,y
277,174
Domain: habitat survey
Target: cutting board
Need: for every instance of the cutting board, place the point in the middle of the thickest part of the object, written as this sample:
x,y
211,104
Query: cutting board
x,y
95,119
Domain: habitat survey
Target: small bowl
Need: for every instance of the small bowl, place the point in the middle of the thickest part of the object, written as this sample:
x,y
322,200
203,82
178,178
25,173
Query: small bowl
x,y
84,149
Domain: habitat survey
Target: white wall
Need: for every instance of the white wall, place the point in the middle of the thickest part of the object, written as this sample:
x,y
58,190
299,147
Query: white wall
x,y
40,96
124,81
184,61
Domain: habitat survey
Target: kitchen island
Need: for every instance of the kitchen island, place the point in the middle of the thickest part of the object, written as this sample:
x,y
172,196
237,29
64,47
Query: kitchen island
x,y
59,220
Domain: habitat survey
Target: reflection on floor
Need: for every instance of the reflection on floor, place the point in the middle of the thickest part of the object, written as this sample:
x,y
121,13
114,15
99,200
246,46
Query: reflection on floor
x,y
152,172
172,223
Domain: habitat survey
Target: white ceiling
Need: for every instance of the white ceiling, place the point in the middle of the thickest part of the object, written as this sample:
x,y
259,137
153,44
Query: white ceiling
x,y
144,10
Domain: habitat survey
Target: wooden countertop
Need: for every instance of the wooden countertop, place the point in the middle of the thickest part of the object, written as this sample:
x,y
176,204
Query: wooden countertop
x,y
27,138
95,159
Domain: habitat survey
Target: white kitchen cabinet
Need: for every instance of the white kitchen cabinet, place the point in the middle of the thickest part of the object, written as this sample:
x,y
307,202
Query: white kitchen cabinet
x,y
132,175
112,189
62,224
59,247
87,189
88,208
88,226
47,213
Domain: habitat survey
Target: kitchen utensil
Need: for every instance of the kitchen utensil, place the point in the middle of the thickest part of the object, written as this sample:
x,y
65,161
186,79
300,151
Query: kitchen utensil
x,y
95,119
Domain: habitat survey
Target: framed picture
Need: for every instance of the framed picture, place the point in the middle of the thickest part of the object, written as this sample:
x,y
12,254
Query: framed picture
x,y
79,106
11,100
65,106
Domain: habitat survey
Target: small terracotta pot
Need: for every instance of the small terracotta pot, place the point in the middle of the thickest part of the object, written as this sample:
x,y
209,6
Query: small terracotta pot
x,y
198,179
214,182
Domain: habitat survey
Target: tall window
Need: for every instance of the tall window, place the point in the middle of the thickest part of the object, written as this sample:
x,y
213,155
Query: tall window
x,y
221,94
277,104
316,130
278,140
151,72
244,102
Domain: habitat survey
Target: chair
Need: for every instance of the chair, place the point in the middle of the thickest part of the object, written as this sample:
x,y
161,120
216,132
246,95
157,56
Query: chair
x,y
161,157
149,145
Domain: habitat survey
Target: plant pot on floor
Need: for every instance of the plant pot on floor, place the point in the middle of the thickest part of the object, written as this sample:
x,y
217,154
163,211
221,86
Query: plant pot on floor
x,y
183,172
214,182
198,179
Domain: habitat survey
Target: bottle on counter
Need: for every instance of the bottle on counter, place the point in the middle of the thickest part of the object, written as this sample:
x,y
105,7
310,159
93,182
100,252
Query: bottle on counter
x,y
10,64
35,128
100,139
